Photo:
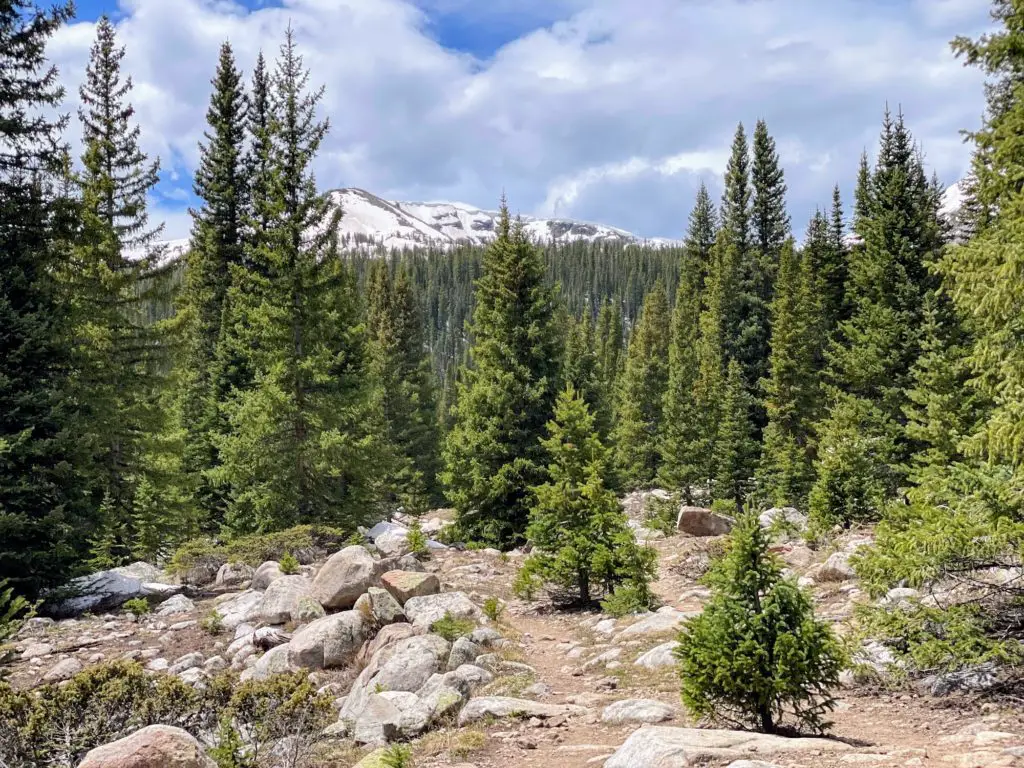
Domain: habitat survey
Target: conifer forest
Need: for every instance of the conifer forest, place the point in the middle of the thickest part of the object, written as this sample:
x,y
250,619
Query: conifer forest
x,y
869,373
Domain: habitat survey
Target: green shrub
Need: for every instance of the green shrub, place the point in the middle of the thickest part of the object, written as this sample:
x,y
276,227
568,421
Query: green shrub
x,y
451,628
417,541
14,612
397,756
725,507
212,623
493,608
289,564
305,542
626,600
137,606
661,514
757,655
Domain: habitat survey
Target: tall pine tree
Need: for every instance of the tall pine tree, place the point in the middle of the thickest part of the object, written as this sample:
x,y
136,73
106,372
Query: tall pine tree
x,y
736,446
493,455
700,239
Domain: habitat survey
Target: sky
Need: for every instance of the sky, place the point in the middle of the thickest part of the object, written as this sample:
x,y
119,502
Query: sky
x,y
612,111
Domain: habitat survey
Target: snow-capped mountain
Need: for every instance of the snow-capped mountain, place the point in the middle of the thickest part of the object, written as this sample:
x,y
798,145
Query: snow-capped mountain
x,y
368,219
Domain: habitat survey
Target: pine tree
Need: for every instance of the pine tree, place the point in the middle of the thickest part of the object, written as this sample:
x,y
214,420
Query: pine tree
x,y
790,390
700,239
736,199
642,392
769,219
114,274
610,344
43,521
404,383
216,248
493,455
259,161
578,530
298,448
757,654
682,465
735,444
581,370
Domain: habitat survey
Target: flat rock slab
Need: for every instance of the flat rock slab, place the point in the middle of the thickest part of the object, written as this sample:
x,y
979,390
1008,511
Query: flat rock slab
x,y
637,711
665,747
504,706
664,621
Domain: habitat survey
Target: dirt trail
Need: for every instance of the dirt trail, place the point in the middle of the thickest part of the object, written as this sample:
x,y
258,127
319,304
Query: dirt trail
x,y
883,728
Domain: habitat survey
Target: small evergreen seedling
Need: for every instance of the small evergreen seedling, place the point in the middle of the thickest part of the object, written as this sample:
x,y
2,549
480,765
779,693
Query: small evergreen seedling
x,y
493,608
397,756
757,654
417,541
137,606
451,628
289,564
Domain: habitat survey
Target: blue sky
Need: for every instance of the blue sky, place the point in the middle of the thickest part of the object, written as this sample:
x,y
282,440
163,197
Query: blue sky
x,y
604,110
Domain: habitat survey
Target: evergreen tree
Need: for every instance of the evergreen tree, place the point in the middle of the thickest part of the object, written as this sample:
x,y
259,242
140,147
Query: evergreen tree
x,y
757,654
769,220
700,239
43,522
216,248
298,448
259,162
404,382
581,370
735,444
578,530
736,199
642,392
492,454
682,465
114,274
790,390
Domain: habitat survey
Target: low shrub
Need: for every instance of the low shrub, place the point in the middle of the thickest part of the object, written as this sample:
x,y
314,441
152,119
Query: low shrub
x,y
493,608
14,612
212,623
397,756
627,599
451,628
137,606
289,564
304,542
662,514
417,541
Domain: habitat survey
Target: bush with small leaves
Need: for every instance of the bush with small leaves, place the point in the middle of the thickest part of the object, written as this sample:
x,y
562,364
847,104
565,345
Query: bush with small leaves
x,y
451,628
288,564
756,654
417,541
212,623
493,608
397,756
14,612
137,606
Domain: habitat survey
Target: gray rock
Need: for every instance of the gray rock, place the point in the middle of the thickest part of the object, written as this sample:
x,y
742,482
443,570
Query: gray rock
x,y
63,670
188,661
215,664
836,568
383,527
664,620
234,574
144,572
503,706
424,611
637,711
266,638
784,520
386,637
280,603
155,746
175,605
464,651
236,610
273,662
193,676
468,678
380,608
486,636
393,543
605,627
665,747
440,699
698,521
658,657
974,679
416,715
332,641
36,651
98,592
377,723
409,563
159,664
308,610
602,659
201,573
540,690
266,574
404,585
412,662
344,577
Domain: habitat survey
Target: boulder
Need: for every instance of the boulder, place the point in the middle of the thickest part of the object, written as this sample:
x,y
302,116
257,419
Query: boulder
x,y
384,609
280,603
637,711
332,641
155,746
234,574
393,543
404,585
236,610
664,747
175,605
156,592
201,573
783,520
186,662
486,636
504,706
63,670
36,651
267,573
276,661
344,577
382,528
464,651
98,592
388,636
389,716
836,568
142,571
467,679
424,611
412,662
666,619
658,657
698,521
308,610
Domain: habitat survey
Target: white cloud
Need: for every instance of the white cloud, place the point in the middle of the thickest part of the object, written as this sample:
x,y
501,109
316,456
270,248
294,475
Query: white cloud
x,y
608,113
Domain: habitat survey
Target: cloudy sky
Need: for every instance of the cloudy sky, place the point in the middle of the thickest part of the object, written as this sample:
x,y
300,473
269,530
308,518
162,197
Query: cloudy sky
x,y
603,110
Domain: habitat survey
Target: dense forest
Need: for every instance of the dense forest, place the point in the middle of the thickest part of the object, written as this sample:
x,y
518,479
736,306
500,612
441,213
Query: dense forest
x,y
869,374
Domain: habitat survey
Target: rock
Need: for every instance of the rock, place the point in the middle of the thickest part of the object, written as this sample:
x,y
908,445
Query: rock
x,y
382,528
158,664
215,664
404,585
156,746
658,657
665,747
384,609
975,679
388,636
63,670
441,700
378,722
36,651
605,626
540,690
98,592
280,603
344,577
783,520
236,610
503,706
308,610
835,568
602,659
412,662
175,605
464,651
467,679
393,543
266,574
180,625
188,661
902,597
274,662
665,620
157,592
144,572
332,641
201,573
424,611
753,764
266,638
234,574
486,637
698,521
637,711
193,676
